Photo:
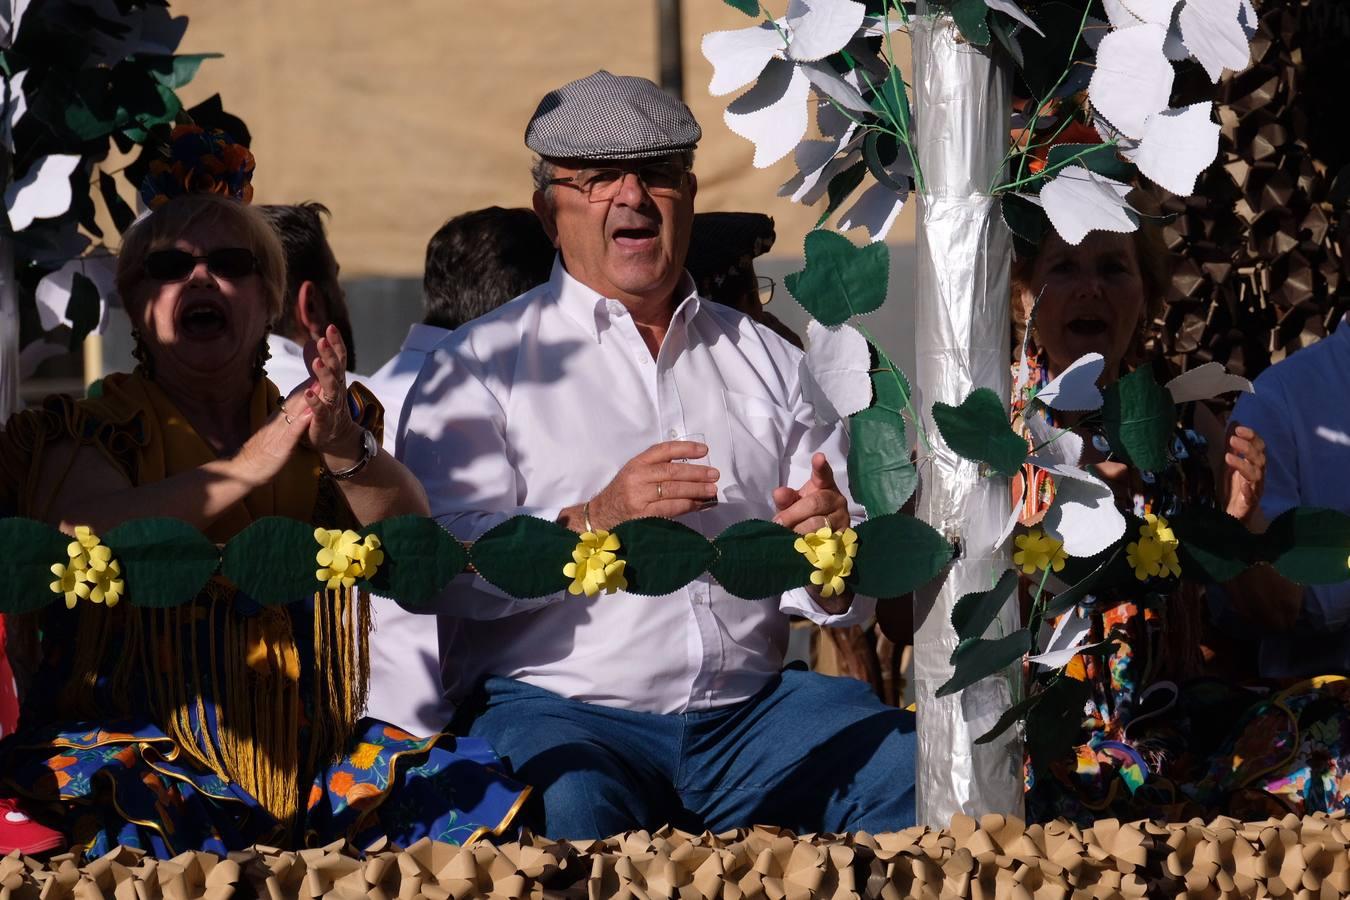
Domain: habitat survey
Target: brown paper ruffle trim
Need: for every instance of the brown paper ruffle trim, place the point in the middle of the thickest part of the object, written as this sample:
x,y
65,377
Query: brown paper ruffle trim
x,y
994,858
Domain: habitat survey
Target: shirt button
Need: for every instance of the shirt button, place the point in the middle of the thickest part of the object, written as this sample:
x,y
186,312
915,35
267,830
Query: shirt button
x,y
671,434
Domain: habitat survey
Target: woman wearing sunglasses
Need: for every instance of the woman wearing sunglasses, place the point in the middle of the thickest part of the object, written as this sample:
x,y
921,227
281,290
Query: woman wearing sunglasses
x,y
220,723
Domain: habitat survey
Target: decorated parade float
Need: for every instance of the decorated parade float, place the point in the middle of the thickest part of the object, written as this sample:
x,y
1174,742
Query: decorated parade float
x,y
1019,121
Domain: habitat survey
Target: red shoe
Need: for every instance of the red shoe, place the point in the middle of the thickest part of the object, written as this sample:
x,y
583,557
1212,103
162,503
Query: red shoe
x,y
18,832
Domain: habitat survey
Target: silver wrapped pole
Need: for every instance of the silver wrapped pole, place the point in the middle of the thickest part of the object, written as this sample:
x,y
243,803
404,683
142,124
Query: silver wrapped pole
x,y
962,337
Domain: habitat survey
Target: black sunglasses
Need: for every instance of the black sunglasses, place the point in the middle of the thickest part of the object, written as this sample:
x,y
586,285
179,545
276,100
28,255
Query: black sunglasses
x,y
177,265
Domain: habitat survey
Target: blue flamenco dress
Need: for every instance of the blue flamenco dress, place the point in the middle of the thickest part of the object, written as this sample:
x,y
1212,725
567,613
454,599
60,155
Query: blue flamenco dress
x,y
221,723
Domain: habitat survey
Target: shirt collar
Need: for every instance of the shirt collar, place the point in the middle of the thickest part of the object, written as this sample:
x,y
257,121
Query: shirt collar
x,y
588,308
279,345
423,338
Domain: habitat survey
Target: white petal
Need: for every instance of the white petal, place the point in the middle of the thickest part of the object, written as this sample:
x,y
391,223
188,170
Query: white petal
x,y
1204,382
1078,201
1213,32
739,56
1250,22
11,17
1075,389
878,26
809,187
1128,13
1054,446
43,192
1008,7
831,122
821,27
1084,514
1133,79
1174,48
1177,145
53,291
1013,517
836,371
876,209
1094,29
1066,641
773,113
832,84
17,102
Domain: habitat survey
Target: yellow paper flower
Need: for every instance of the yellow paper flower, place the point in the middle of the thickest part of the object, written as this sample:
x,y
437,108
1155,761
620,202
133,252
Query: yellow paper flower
x,y
832,553
1155,553
69,582
89,573
595,565
1037,551
87,550
105,585
344,556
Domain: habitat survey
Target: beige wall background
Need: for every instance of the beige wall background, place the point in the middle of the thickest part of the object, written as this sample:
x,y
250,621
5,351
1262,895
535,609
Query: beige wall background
x,y
399,115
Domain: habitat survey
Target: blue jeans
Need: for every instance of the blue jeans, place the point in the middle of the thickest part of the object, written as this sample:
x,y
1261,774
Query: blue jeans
x,y
810,752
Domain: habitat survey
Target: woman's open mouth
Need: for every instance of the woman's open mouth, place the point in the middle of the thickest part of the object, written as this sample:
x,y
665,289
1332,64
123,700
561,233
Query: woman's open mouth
x,y
1088,326
203,320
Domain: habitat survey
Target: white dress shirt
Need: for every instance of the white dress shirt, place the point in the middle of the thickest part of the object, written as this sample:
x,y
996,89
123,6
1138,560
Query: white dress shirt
x,y
535,407
392,381
286,367
405,671
1301,409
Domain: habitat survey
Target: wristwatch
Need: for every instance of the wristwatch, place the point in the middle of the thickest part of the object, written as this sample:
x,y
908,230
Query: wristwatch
x,y
369,448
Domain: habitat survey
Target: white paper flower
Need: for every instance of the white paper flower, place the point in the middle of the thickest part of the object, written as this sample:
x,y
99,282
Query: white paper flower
x,y
53,291
1075,389
1204,382
1176,146
1078,201
1084,515
43,192
1128,13
836,371
785,56
1133,78
1213,31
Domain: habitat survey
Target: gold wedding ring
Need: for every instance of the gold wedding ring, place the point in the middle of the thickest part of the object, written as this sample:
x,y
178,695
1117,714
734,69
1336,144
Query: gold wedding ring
x,y
659,492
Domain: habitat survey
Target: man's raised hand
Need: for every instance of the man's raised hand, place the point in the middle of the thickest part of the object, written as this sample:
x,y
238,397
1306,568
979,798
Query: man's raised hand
x,y
653,484
815,504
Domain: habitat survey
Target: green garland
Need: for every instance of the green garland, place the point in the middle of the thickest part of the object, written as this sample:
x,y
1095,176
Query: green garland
x,y
166,562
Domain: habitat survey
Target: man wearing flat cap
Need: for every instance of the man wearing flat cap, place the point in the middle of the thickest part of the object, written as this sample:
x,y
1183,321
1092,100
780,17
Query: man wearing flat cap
x,y
614,392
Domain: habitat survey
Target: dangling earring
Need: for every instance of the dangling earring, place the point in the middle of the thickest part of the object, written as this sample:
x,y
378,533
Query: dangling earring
x,y
264,354
145,363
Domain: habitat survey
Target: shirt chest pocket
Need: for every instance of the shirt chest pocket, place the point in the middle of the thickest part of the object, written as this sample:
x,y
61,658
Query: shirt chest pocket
x,y
759,431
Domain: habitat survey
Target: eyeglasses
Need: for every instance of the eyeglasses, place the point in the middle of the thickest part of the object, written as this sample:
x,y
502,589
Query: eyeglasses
x,y
599,185
178,265
766,286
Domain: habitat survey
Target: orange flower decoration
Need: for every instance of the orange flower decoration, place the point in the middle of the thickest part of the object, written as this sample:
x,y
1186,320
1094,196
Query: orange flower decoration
x,y
362,794
315,795
341,783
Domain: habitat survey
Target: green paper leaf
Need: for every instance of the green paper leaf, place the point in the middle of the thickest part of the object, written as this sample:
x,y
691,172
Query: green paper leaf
x,y
525,556
879,150
971,17
83,309
420,559
892,101
31,548
974,613
1139,415
1309,545
662,555
1011,715
1099,158
756,559
840,280
881,474
749,7
840,187
896,554
273,560
978,430
175,71
1027,221
976,659
121,213
1213,544
1085,575
165,562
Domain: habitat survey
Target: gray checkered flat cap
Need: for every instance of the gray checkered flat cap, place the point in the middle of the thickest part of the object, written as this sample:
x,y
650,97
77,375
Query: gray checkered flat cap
x,y
605,116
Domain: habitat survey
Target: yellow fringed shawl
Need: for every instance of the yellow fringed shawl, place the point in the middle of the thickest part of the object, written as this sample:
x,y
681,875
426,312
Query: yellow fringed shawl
x,y
253,666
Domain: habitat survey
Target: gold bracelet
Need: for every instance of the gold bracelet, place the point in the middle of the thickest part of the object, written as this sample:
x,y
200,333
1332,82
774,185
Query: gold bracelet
x,y
586,516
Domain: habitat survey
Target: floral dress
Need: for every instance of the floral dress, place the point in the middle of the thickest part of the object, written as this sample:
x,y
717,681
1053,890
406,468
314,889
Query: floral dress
x,y
1157,738
221,722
